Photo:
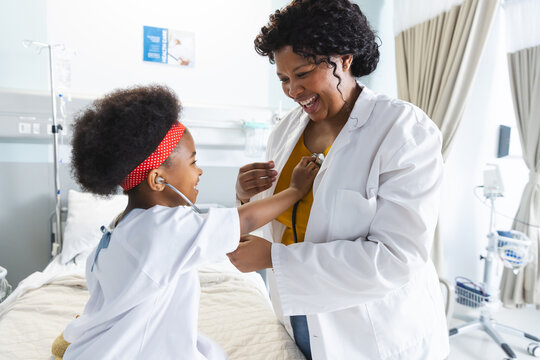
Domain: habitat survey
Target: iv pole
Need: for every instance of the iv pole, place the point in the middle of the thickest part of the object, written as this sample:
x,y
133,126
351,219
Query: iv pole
x,y
56,128
485,321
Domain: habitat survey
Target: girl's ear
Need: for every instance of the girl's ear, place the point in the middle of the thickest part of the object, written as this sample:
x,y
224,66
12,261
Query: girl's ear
x,y
153,182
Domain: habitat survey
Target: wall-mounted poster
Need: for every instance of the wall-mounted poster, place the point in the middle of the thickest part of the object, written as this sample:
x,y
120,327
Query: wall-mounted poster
x,y
181,48
155,44
169,46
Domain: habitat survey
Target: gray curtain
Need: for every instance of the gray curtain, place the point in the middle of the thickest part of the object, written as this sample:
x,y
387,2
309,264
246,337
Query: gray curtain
x,y
436,62
524,66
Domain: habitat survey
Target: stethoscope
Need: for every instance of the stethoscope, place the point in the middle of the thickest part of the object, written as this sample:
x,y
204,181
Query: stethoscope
x,y
318,159
106,237
160,180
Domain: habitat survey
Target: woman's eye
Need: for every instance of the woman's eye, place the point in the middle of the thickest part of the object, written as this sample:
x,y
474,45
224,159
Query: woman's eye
x,y
194,162
283,80
301,74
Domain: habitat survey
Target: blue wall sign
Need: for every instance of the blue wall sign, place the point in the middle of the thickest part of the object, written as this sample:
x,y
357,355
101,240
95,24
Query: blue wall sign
x,y
156,44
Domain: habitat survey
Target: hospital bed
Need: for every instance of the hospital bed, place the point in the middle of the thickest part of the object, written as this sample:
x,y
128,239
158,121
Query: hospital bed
x,y
235,309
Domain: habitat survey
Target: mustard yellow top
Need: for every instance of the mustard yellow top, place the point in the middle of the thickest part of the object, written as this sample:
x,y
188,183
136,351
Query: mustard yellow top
x,y
304,207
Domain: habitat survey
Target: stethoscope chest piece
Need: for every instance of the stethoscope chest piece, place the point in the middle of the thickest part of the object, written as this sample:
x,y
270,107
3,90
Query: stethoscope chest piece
x,y
318,158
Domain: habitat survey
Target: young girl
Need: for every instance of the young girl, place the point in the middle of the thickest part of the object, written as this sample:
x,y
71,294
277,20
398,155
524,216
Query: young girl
x,y
142,278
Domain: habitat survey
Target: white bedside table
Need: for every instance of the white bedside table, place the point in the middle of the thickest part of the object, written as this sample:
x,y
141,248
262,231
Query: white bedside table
x,y
5,288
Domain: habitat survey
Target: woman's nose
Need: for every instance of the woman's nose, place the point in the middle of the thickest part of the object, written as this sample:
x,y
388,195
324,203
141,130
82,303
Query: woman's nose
x,y
295,89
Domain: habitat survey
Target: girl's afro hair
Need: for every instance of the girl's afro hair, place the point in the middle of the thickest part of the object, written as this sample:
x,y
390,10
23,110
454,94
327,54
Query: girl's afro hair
x,y
118,132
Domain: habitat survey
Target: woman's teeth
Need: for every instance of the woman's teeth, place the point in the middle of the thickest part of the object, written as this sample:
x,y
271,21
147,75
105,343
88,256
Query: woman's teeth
x,y
308,102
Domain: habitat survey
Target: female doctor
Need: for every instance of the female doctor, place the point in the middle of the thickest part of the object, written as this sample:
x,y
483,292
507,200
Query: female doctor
x,y
352,277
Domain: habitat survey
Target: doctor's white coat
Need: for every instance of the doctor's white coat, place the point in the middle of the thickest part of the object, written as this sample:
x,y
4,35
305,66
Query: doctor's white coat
x,y
363,276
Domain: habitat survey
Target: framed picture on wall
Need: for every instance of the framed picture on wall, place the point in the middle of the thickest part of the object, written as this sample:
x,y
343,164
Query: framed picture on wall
x,y
169,46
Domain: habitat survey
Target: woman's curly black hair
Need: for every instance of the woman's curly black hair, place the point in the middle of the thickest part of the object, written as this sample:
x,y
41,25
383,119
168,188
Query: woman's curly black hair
x,y
318,29
118,132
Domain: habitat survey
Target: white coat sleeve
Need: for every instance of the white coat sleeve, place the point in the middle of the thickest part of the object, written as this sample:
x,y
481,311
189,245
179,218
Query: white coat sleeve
x,y
183,240
323,277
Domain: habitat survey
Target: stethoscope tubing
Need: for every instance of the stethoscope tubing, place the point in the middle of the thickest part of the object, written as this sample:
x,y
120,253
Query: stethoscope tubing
x,y
195,208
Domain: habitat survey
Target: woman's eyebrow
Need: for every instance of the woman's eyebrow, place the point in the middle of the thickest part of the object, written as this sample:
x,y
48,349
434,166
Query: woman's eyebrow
x,y
296,68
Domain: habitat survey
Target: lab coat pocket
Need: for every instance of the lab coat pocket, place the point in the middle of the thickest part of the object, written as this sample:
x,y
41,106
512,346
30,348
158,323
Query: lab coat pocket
x,y
351,215
402,320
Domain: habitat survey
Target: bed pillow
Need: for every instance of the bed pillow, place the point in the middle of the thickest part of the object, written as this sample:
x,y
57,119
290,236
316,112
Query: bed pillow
x,y
86,214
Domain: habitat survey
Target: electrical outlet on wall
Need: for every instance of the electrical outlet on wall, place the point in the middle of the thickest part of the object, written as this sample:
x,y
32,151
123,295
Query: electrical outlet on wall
x,y
25,128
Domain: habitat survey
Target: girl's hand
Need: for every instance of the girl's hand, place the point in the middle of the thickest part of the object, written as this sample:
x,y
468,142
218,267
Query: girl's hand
x,y
253,253
254,178
303,175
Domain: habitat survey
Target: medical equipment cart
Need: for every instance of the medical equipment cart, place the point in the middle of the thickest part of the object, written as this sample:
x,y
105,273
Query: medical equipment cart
x,y
512,248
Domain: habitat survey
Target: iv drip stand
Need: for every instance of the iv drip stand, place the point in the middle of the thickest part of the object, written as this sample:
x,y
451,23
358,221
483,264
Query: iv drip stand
x,y
56,128
486,322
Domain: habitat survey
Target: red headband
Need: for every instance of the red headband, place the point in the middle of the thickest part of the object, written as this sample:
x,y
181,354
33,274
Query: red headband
x,y
156,158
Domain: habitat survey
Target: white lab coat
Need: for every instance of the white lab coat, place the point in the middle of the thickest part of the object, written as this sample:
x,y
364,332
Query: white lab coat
x,y
363,276
144,289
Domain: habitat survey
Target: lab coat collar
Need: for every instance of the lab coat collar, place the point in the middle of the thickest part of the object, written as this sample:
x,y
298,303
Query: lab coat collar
x,y
359,116
362,108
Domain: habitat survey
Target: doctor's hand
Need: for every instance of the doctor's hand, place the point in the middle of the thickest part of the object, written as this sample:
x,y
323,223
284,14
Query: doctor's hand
x,y
253,253
303,175
254,178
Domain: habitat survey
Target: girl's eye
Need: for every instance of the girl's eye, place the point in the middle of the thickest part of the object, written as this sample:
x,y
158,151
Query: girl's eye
x,y
194,162
283,80
302,74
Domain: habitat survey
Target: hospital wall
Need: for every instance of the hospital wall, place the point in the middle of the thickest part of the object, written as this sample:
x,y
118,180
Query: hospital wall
x,y
227,85
229,78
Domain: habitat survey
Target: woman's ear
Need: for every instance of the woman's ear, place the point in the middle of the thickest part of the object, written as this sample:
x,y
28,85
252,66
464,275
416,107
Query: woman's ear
x,y
346,61
155,180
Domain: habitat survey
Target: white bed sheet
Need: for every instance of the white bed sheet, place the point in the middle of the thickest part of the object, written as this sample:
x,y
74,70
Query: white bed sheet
x,y
235,311
55,270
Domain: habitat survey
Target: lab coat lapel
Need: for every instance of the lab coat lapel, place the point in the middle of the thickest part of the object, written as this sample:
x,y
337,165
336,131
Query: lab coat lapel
x,y
287,146
359,116
341,141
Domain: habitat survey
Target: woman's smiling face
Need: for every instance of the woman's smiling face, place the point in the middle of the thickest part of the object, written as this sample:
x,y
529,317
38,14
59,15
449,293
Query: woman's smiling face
x,y
313,86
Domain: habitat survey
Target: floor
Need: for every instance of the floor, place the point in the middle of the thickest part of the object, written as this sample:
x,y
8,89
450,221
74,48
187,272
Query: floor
x,y
478,345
